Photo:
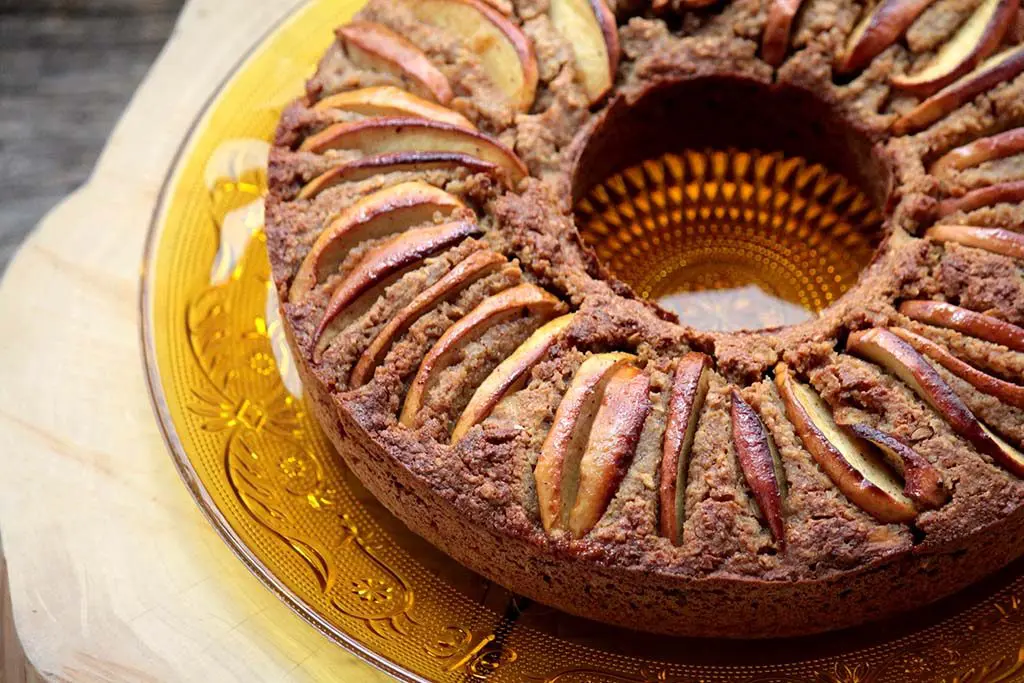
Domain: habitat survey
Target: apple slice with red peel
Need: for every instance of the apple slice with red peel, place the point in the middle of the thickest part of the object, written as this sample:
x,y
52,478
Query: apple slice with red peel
x,y
880,28
997,69
471,269
557,472
391,135
376,47
611,446
975,40
378,215
922,482
1007,392
971,323
1005,144
761,465
383,262
395,162
593,34
505,53
387,100
853,465
902,360
777,28
689,389
996,240
1002,193
521,300
509,376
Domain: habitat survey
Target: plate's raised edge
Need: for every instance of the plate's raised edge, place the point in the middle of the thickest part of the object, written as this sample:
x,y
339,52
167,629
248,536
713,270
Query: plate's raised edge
x,y
158,399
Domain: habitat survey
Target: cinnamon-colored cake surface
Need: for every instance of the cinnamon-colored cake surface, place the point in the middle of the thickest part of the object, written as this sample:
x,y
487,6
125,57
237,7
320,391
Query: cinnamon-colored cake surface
x,y
475,361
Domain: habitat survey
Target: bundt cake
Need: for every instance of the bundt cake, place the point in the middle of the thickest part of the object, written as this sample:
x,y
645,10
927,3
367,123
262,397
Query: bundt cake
x,y
477,204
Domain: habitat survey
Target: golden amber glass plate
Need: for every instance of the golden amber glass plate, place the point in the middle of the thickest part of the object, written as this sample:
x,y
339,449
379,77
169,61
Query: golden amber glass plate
x,y
248,449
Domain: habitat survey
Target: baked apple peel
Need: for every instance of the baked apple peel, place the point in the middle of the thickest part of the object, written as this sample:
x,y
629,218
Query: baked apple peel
x,y
999,146
590,28
521,300
387,100
880,27
995,240
965,321
762,467
777,29
375,216
689,390
894,354
510,375
374,46
1011,192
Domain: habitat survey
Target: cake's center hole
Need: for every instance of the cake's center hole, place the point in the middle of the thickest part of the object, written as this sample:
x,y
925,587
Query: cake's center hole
x,y
734,204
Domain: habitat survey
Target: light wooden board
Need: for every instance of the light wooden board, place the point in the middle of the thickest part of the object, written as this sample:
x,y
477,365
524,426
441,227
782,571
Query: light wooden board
x,y
113,573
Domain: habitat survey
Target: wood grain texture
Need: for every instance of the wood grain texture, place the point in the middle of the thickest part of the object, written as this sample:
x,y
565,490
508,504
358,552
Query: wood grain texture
x,y
114,574
67,70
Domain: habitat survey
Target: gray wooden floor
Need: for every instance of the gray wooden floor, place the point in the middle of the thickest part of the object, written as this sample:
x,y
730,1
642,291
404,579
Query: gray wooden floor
x,y
67,70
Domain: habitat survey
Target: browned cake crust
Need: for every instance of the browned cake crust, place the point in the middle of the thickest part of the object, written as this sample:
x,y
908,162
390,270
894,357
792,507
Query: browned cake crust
x,y
394,344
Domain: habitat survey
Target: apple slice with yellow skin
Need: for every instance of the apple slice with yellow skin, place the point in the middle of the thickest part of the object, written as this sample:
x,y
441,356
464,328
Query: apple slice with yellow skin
x,y
1007,392
386,212
611,446
852,464
521,300
390,135
505,53
509,376
395,162
777,28
557,472
995,70
593,34
761,465
689,389
463,274
880,28
1005,144
387,100
383,262
922,482
376,47
902,360
996,240
1002,193
975,40
971,323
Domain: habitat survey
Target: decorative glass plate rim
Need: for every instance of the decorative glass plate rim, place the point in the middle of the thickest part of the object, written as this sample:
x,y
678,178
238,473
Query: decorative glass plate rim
x,y
158,399
170,431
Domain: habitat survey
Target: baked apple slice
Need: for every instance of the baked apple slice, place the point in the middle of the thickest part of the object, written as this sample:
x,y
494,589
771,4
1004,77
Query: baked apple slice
x,y
463,274
376,47
510,376
777,28
898,357
997,69
996,240
386,212
880,27
761,465
1011,192
590,28
1005,144
1007,392
392,135
852,464
507,56
922,482
380,264
611,445
689,389
524,299
975,40
557,472
387,100
971,323
396,162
